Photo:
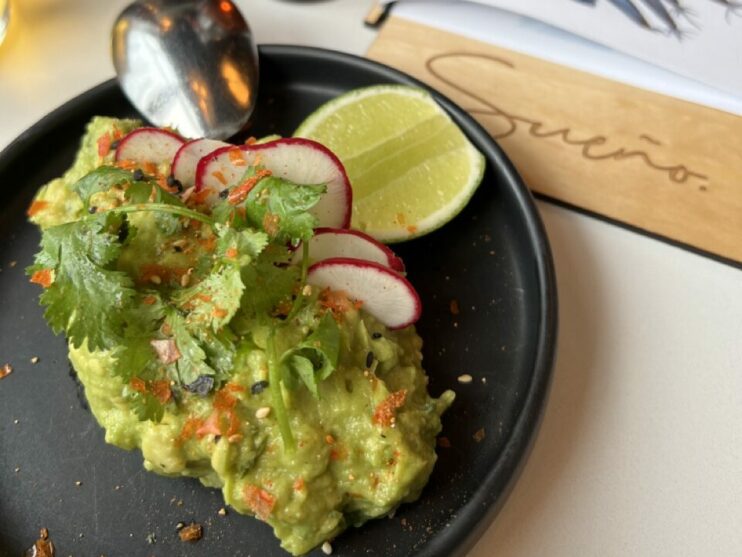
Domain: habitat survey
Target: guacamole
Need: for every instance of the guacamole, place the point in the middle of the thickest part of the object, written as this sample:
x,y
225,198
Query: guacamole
x,y
203,348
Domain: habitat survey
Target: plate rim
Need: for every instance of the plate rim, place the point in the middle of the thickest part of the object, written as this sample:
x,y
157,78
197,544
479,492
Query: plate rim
x,y
475,516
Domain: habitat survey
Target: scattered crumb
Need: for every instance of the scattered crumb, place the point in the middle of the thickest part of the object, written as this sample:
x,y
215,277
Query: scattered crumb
x,y
12,264
263,412
16,421
222,512
43,547
327,548
179,526
151,539
479,435
6,370
465,378
17,469
484,379
191,533
454,307
78,483
35,360
492,252
444,442
80,535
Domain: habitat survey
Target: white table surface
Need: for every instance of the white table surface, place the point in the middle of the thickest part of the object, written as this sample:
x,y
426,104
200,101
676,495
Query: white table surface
x,y
640,451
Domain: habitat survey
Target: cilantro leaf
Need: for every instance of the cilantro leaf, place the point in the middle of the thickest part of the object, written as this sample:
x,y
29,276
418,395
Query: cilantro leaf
x,y
314,359
134,356
145,405
87,295
240,246
100,179
281,208
192,362
269,281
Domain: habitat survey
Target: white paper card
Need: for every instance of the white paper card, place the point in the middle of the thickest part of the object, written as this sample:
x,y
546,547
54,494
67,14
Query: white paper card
x,y
701,39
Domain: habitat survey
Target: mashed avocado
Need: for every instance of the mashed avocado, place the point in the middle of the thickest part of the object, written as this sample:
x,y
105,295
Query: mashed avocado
x,y
360,445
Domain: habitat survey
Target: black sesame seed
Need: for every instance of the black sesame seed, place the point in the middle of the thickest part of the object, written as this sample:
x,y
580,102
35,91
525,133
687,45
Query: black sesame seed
x,y
258,387
138,175
92,210
174,183
224,193
177,249
376,336
115,144
369,359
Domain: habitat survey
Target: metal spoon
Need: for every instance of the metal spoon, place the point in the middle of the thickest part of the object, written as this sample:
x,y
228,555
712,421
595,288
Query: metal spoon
x,y
187,64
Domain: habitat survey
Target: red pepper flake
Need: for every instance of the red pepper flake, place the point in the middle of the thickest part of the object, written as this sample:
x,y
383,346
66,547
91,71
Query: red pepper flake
x,y
299,484
231,253
219,313
104,144
42,277
204,297
338,302
271,224
190,427
126,164
36,207
444,442
219,175
385,413
259,501
454,307
191,533
200,196
236,157
6,370
138,385
479,435
161,390
239,193
411,228
209,244
149,300
251,140
149,168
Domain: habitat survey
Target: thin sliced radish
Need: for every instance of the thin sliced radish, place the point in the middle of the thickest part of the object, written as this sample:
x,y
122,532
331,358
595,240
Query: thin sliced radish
x,y
186,158
343,242
149,145
385,294
301,161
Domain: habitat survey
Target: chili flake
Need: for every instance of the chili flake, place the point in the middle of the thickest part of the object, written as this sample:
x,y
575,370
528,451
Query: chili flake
x,y
191,533
6,370
385,413
36,207
42,277
259,501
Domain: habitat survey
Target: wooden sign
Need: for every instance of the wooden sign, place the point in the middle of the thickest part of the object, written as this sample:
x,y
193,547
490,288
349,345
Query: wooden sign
x,y
666,166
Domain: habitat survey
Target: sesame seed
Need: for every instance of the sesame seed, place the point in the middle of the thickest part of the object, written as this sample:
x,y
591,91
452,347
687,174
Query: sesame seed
x,y
307,290
17,469
327,548
180,525
138,175
16,421
35,360
155,279
369,359
184,280
465,378
376,336
222,512
258,387
263,412
13,263
78,483
351,477
224,193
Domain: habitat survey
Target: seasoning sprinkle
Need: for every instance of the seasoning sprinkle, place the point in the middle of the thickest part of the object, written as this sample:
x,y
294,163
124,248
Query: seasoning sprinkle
x,y
263,412
376,336
224,193
138,175
258,387
92,209
222,512
35,360
465,378
369,359
155,279
115,144
78,483
6,370
327,548
191,533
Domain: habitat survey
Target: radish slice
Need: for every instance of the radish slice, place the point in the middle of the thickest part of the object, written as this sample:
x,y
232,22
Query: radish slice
x,y
301,161
343,242
187,157
385,294
149,145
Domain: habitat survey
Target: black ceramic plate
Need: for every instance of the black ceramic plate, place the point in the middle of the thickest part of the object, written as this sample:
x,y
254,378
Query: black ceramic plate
x,y
493,259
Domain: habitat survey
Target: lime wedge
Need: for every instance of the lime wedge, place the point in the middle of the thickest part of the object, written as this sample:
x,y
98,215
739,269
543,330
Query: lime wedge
x,y
411,168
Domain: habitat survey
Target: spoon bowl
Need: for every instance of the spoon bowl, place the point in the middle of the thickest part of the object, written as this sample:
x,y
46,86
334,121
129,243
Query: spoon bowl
x,y
187,64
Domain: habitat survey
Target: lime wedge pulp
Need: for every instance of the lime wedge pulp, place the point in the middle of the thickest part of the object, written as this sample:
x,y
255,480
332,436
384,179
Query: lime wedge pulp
x,y
411,168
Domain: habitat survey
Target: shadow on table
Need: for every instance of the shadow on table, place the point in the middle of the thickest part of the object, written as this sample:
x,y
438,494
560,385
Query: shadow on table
x,y
580,309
